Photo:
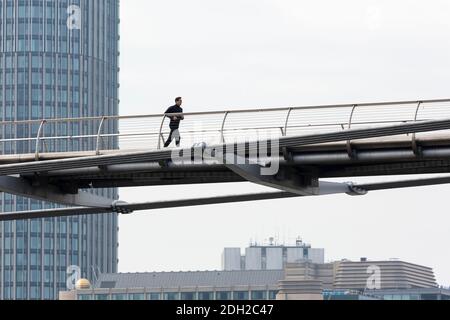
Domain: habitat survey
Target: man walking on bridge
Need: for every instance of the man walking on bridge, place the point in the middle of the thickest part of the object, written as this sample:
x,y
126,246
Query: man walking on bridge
x,y
174,113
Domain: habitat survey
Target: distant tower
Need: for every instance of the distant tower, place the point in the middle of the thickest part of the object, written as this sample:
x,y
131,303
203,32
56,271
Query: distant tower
x,y
270,256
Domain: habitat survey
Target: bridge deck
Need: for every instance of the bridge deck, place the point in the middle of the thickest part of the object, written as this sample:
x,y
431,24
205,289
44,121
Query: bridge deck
x,y
426,151
435,139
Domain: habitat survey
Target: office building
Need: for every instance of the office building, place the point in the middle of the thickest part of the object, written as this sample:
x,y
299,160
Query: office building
x,y
58,59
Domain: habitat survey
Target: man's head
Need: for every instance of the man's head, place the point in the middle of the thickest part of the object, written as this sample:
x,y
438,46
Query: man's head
x,y
179,101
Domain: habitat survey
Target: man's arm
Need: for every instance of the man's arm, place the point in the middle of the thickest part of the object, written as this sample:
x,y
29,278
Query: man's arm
x,y
174,110
182,116
169,112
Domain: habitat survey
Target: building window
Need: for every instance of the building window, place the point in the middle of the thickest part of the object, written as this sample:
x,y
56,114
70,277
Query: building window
x,y
35,226
171,296
153,296
273,295
206,296
84,297
7,292
136,296
240,295
35,292
118,296
259,295
20,293
188,296
223,295
35,276
48,293
35,243
101,297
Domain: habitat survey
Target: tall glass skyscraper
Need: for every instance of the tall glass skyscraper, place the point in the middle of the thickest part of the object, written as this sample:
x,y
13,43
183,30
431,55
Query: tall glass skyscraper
x,y
58,59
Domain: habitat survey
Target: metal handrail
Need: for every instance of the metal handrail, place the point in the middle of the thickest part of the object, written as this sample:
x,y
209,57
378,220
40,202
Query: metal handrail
x,y
231,111
287,122
415,147
99,137
111,135
261,119
349,143
161,137
148,134
223,126
41,127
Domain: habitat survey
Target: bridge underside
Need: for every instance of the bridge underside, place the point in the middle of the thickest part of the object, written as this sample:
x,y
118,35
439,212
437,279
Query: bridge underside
x,y
322,161
73,180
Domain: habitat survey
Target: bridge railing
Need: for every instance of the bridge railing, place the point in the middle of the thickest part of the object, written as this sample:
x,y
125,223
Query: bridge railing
x,y
150,131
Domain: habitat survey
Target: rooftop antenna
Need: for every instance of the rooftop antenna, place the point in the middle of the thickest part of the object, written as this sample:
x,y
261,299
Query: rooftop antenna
x,y
288,236
278,233
94,275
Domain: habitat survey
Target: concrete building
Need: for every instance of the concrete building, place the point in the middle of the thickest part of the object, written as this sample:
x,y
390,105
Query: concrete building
x,y
270,256
58,59
298,281
391,275
209,285
309,280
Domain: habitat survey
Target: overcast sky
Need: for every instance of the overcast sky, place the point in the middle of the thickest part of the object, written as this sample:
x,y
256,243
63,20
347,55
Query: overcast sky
x,y
267,53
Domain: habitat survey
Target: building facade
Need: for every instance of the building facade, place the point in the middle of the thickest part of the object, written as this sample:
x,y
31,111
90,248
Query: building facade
x,y
58,59
343,279
204,285
390,274
298,281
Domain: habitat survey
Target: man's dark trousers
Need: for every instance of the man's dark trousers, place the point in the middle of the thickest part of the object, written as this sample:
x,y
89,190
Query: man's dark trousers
x,y
174,133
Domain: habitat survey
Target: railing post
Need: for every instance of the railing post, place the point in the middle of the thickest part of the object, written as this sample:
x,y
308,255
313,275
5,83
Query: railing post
x,y
100,127
160,135
414,136
222,130
41,128
287,122
349,143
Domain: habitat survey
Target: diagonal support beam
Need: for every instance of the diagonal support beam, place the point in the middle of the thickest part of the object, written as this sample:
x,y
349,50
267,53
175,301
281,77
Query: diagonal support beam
x,y
50,193
127,208
287,179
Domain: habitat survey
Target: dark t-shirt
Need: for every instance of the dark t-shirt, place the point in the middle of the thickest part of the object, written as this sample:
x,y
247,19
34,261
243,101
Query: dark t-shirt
x,y
175,124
